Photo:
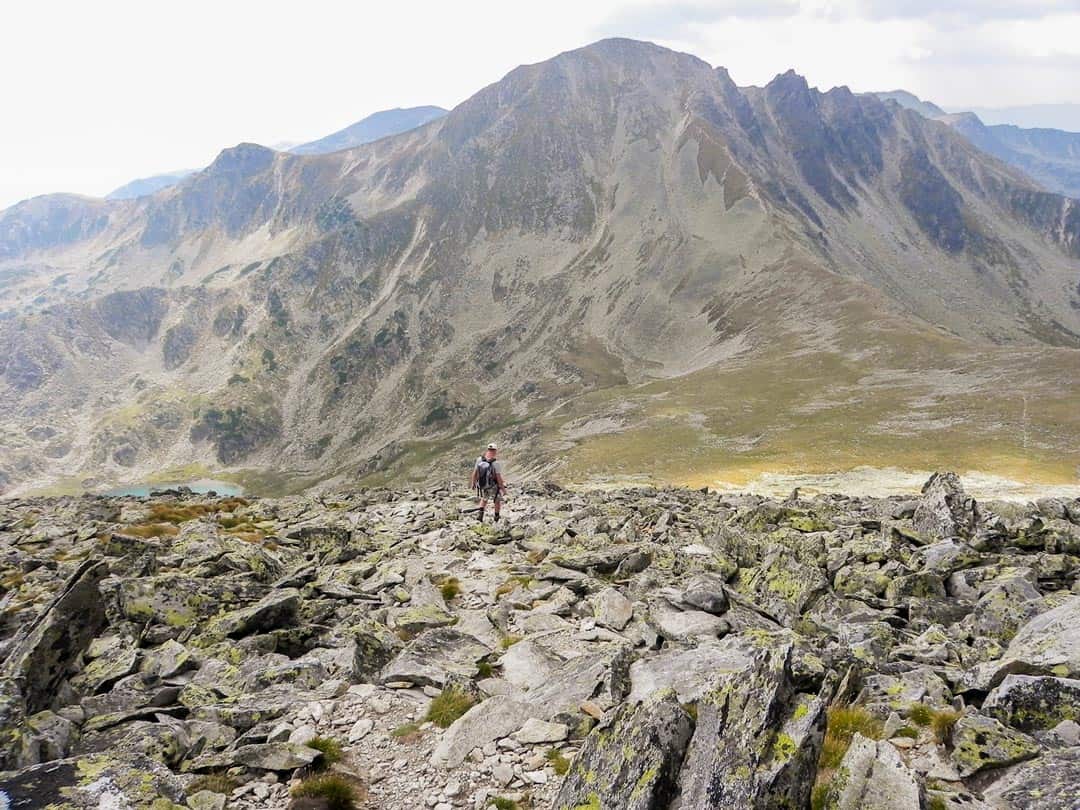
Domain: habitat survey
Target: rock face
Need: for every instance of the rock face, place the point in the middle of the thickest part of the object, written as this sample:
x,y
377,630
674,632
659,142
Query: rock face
x,y
1034,703
981,742
1050,642
45,653
756,740
633,763
874,777
626,648
944,509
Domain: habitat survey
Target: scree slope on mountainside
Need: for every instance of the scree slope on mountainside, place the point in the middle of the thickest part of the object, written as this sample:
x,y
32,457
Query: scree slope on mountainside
x,y
596,259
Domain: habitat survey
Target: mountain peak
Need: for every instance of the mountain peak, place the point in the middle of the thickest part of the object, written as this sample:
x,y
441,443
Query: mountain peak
x,y
378,125
244,157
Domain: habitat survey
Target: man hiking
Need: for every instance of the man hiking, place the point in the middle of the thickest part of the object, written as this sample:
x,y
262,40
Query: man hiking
x,y
488,482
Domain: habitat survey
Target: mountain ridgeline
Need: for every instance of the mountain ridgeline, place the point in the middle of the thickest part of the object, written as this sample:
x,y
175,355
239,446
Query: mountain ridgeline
x,y
1050,156
597,258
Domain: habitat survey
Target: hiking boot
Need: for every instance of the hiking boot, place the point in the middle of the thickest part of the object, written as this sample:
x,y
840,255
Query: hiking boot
x,y
480,516
496,517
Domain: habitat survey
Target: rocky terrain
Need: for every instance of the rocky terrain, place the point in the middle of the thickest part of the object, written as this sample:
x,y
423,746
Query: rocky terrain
x,y
611,252
640,648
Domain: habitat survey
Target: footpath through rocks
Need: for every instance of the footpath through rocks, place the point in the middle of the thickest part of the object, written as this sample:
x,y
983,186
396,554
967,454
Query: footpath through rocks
x,y
646,649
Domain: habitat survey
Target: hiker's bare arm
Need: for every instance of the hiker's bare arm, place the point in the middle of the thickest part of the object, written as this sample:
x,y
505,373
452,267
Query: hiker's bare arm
x,y
472,479
502,484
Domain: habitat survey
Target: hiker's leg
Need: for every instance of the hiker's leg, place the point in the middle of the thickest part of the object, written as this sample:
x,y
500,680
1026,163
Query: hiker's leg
x,y
498,505
483,506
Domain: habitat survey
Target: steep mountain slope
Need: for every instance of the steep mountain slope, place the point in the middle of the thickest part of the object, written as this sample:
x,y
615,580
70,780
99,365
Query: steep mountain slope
x,y
616,260
375,126
1049,156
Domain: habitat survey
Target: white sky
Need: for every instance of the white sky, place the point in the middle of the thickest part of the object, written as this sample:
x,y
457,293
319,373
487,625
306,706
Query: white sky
x,y
97,93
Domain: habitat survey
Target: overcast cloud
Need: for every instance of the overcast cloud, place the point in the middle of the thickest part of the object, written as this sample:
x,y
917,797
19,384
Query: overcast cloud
x,y
96,94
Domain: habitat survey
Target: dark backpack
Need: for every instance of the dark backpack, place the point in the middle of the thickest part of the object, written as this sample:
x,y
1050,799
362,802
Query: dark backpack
x,y
485,474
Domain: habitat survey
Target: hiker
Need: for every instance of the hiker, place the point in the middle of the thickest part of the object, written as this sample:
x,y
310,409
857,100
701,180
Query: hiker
x,y
488,482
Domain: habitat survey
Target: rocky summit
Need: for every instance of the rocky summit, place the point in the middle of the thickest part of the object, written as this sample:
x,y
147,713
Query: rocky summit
x,y
639,648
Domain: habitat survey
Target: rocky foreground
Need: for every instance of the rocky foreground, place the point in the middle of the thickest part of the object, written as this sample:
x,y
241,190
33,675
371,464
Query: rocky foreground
x,y
634,649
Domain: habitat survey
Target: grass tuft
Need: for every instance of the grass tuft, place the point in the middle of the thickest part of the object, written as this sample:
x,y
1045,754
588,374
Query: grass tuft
x,y
513,582
940,721
214,782
338,792
692,710
560,763
509,641
406,732
943,723
148,530
920,714
842,723
329,748
450,588
448,706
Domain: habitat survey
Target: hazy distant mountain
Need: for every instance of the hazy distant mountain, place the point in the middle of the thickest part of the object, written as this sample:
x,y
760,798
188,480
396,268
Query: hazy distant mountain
x,y
375,126
912,102
1031,116
1050,156
615,262
148,185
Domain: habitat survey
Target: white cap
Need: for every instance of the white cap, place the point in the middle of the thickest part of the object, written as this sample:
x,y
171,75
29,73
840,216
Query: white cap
x,y
493,446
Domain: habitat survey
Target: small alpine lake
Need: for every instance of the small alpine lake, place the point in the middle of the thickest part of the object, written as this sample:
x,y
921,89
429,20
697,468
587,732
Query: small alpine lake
x,y
201,486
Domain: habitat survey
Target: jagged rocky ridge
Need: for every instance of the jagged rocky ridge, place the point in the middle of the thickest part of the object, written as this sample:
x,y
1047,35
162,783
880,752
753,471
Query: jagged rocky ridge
x,y
682,649
778,265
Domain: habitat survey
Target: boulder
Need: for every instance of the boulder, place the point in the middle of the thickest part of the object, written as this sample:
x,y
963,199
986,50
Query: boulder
x,y
685,625
374,647
1050,642
94,782
1004,608
945,510
633,763
167,661
601,677
433,657
688,671
612,609
982,742
527,664
418,618
48,647
113,659
43,654
275,756
540,731
706,592
1033,703
498,716
1047,783
277,609
872,776
756,741
782,585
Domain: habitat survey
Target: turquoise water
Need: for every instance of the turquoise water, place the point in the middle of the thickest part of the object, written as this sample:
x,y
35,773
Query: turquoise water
x,y
143,490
